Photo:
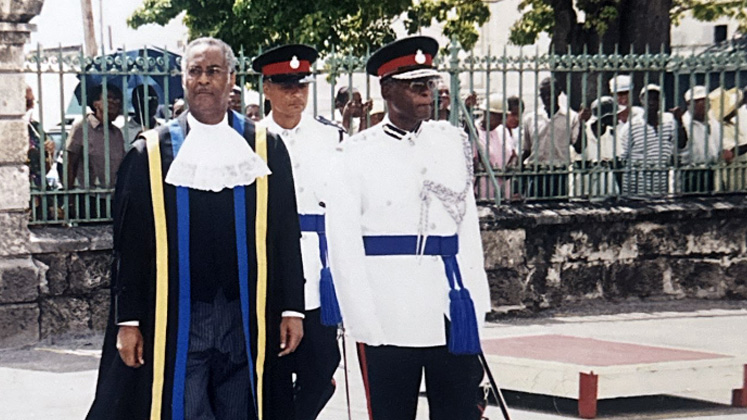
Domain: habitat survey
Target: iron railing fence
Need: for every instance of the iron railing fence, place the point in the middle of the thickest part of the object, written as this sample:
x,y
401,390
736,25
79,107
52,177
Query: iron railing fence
x,y
525,155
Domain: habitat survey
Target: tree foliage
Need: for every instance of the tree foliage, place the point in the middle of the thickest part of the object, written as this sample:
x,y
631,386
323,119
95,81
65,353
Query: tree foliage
x,y
353,26
538,15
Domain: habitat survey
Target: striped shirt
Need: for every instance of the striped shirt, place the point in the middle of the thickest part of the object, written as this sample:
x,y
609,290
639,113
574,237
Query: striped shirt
x,y
648,152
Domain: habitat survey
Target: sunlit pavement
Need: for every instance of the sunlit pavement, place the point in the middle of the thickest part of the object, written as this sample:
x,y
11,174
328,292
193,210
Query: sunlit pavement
x,y
58,381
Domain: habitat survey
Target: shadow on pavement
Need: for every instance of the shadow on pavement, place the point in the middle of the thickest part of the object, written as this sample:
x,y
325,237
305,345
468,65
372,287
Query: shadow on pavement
x,y
643,408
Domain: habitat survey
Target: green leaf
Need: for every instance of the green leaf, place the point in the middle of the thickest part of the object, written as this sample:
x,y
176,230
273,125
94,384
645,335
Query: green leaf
x,y
347,24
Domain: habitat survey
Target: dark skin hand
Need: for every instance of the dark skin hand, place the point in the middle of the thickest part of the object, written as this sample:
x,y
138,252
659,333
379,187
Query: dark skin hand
x,y
365,110
291,333
355,108
681,133
471,100
584,114
130,346
729,155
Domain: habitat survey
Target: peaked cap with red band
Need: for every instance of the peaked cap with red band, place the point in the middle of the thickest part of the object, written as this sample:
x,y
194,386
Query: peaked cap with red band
x,y
406,58
286,63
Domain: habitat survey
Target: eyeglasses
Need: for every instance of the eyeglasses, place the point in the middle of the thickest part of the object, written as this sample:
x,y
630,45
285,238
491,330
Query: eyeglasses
x,y
210,72
420,86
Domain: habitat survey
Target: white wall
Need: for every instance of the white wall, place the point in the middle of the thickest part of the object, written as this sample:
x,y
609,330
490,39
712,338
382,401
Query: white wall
x,y
692,36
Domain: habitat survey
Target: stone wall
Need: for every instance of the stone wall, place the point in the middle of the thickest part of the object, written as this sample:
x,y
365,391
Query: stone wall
x,y
541,256
74,291
537,257
62,291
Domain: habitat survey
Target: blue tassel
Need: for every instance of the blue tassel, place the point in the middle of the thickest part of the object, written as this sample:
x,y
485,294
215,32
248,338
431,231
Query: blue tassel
x,y
464,337
331,315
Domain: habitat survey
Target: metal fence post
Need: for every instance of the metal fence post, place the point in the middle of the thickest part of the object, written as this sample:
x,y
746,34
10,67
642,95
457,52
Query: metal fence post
x,y
454,78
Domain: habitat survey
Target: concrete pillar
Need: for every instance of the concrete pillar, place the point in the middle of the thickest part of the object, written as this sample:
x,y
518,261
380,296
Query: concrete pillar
x,y
19,276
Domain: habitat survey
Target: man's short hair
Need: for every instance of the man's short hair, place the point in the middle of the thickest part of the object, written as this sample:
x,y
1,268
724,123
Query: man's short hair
x,y
515,102
95,92
553,83
228,54
138,98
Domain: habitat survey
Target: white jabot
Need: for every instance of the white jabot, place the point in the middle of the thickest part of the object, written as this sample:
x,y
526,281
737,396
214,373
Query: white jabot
x,y
214,157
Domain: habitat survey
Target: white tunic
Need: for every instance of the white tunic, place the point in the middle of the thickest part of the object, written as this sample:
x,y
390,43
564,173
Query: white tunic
x,y
703,141
311,146
377,185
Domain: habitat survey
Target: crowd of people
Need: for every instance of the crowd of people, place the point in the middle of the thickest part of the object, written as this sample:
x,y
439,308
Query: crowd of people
x,y
613,147
608,148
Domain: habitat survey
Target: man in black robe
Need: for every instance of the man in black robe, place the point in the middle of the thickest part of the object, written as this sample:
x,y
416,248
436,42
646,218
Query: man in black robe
x,y
207,281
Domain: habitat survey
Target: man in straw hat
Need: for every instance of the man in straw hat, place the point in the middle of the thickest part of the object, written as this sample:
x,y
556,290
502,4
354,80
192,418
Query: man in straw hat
x,y
725,106
494,139
405,246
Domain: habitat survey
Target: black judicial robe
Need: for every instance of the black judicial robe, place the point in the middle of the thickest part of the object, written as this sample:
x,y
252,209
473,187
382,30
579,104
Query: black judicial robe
x,y
126,393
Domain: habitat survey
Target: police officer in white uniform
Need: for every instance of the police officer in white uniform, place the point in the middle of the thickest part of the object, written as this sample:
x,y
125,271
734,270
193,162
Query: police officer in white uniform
x,y
405,246
311,143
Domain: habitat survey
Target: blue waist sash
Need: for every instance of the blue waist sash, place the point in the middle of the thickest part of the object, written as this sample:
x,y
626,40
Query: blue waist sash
x,y
331,314
463,337
315,223
444,246
312,223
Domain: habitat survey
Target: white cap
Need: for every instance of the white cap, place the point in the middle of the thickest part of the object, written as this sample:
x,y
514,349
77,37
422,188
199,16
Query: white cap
x,y
651,87
695,93
416,74
494,103
620,83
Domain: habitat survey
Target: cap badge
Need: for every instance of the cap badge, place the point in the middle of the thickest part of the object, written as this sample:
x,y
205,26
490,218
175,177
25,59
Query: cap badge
x,y
420,57
294,63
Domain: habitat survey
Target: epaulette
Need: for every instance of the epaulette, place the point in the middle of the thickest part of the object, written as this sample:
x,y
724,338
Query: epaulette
x,y
326,121
330,123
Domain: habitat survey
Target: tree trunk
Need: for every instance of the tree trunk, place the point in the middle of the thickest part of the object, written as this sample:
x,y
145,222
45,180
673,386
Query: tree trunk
x,y
565,26
639,23
89,36
645,23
